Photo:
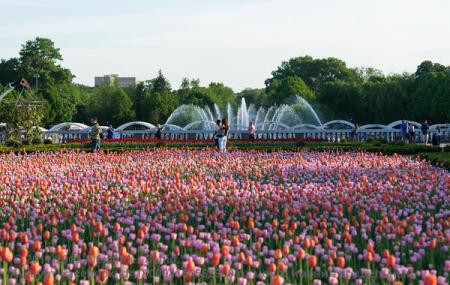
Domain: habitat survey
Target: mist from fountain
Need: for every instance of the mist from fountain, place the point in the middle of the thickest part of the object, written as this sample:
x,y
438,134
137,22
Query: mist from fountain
x,y
276,117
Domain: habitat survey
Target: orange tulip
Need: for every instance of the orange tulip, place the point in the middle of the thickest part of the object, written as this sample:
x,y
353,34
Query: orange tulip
x,y
391,261
249,260
370,247
429,279
103,275
48,279
251,224
204,248
285,249
215,259
190,266
281,266
36,245
46,235
277,280
35,267
23,252
154,255
225,269
225,250
94,251
278,254
312,261
368,257
330,261
301,253
272,268
341,261
7,255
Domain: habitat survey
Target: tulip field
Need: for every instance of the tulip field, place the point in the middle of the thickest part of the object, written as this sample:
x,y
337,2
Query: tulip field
x,y
178,216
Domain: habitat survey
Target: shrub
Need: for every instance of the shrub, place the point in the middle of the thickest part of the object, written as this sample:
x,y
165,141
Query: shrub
x,y
300,144
26,142
13,143
160,144
48,141
36,140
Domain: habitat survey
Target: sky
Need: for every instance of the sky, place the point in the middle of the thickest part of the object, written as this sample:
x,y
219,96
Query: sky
x,y
237,42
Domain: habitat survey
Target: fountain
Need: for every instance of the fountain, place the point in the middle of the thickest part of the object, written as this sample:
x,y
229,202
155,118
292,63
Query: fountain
x,y
274,118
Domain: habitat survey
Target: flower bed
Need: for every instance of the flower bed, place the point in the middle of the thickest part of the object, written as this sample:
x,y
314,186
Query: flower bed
x,y
179,216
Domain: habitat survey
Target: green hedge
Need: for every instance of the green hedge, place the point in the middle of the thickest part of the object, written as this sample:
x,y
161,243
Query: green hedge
x,y
437,158
385,148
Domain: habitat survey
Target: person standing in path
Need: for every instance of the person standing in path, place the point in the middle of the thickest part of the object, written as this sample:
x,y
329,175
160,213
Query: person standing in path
x,y
110,134
216,133
404,129
252,131
223,136
159,129
95,135
424,128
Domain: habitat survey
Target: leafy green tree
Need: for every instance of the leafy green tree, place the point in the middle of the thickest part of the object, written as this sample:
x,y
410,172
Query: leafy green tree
x,y
430,100
139,101
40,57
159,84
342,100
159,106
428,66
254,96
314,72
221,94
385,101
282,89
9,71
110,104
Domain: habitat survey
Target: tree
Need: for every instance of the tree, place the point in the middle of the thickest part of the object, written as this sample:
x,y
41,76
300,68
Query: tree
x,y
41,57
314,72
221,94
282,89
430,100
110,104
342,99
159,84
254,96
22,116
139,101
428,66
9,71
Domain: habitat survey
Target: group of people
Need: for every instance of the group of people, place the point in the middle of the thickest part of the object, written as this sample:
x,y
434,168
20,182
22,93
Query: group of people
x,y
221,135
409,133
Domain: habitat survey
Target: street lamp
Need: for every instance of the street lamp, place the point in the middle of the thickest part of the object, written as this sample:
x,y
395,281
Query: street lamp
x,y
36,76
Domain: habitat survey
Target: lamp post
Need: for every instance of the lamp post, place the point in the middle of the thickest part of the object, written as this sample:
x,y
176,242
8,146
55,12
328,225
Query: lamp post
x,y
36,76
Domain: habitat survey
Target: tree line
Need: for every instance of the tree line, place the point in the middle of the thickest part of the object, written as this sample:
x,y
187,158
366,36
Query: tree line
x,y
363,95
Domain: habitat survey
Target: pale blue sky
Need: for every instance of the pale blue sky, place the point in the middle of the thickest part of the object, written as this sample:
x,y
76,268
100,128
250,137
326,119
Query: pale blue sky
x,y
235,42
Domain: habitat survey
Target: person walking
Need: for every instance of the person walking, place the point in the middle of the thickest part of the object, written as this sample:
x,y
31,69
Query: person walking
x,y
411,133
110,133
438,135
216,134
404,129
158,133
424,128
95,135
223,133
252,131
354,132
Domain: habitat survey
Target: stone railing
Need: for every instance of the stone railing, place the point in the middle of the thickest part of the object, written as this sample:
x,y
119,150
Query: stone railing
x,y
307,134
